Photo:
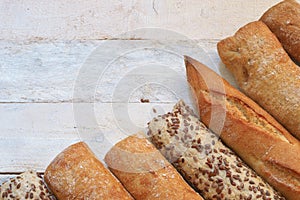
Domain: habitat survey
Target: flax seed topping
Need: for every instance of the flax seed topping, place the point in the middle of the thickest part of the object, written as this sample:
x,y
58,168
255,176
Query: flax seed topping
x,y
205,162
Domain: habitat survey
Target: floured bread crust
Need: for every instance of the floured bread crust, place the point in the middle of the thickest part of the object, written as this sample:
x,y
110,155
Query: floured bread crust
x,y
265,72
76,173
284,21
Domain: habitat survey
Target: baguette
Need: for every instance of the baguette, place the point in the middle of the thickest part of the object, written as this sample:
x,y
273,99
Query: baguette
x,y
284,21
265,72
248,130
145,173
211,167
76,173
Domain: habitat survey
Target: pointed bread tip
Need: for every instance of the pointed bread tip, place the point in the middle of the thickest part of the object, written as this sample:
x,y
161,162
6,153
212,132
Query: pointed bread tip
x,y
190,60
186,60
195,63
201,77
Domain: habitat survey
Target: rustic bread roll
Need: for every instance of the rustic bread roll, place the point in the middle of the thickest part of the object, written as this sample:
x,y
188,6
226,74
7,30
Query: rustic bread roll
x,y
145,173
76,173
247,129
211,167
265,72
284,21
28,185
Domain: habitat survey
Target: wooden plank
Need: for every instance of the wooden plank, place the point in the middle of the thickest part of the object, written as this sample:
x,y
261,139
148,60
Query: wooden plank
x,y
18,155
94,19
51,72
32,134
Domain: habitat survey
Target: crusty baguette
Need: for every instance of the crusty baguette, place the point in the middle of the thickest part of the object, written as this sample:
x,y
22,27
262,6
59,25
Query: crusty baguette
x,y
284,21
211,167
76,173
145,173
28,185
265,72
248,130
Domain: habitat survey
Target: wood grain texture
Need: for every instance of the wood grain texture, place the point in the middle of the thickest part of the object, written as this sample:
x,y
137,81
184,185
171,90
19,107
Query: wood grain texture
x,y
32,134
74,20
47,71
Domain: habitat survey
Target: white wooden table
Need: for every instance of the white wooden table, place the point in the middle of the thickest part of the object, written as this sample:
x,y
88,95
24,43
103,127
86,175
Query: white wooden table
x,y
77,70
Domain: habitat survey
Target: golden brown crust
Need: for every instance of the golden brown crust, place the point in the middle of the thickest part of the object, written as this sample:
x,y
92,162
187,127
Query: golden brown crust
x,y
76,173
249,130
284,21
265,72
145,172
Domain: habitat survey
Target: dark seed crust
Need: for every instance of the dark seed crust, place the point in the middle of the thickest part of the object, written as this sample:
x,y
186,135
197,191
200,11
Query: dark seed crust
x,y
214,170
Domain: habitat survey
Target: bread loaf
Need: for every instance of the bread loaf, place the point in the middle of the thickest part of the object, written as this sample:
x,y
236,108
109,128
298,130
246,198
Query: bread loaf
x,y
28,185
265,72
211,167
145,173
76,173
284,21
247,129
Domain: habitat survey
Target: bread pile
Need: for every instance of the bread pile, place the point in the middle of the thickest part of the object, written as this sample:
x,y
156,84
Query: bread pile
x,y
243,146
253,134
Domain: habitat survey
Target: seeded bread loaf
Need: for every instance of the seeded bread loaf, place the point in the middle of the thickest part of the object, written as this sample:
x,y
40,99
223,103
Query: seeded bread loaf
x,y
265,72
28,185
284,21
145,172
247,129
76,173
211,167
